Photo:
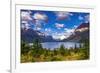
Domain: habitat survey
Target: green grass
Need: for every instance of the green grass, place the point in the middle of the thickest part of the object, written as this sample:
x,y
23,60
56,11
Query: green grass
x,y
51,56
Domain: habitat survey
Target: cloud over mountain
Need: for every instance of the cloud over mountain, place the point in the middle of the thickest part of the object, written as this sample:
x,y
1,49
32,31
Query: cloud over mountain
x,y
57,24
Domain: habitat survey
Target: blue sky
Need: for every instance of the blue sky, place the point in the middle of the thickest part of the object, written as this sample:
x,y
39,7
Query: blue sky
x,y
58,24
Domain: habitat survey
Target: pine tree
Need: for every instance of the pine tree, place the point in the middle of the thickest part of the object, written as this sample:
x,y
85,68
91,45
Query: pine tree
x,y
37,48
62,50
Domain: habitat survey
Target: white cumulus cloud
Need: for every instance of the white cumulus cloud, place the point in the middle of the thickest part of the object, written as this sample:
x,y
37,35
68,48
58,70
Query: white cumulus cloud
x,y
39,16
63,15
58,25
25,25
25,15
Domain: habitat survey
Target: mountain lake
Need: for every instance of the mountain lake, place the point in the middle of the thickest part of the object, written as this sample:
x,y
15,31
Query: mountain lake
x,y
53,45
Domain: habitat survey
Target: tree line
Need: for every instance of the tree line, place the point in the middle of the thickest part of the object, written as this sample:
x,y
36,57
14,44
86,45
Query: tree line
x,y
36,53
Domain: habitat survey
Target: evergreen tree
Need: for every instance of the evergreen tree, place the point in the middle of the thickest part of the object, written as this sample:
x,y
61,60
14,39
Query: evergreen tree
x,y
37,48
86,47
24,47
37,44
75,49
62,50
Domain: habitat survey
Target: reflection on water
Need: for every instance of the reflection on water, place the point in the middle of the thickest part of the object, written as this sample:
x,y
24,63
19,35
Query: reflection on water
x,y
53,45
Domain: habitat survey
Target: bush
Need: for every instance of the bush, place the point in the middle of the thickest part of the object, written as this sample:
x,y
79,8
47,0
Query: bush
x,y
24,47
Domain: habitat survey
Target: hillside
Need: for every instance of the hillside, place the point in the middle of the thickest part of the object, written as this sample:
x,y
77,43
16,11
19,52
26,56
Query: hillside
x,y
80,33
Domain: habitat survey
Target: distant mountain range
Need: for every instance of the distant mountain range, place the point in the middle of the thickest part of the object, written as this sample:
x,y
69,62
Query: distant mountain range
x,y
80,33
29,35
